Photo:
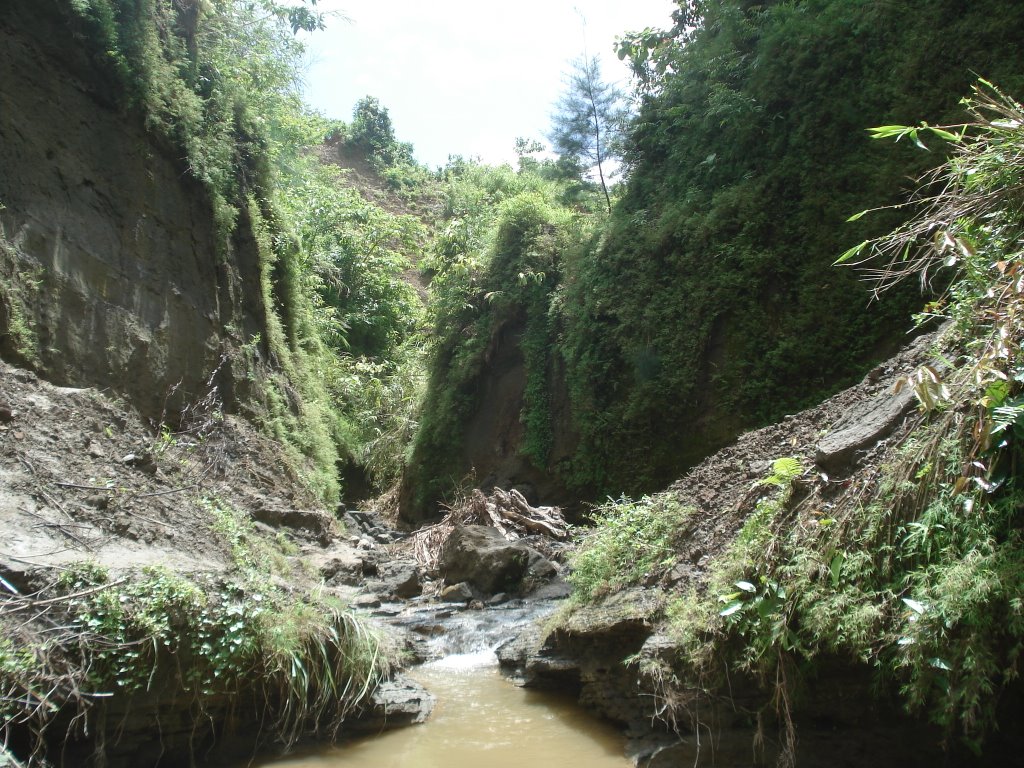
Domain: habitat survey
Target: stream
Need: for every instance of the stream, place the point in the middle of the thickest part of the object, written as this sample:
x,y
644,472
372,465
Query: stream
x,y
480,719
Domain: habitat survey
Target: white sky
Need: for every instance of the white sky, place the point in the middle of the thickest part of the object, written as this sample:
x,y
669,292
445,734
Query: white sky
x,y
465,76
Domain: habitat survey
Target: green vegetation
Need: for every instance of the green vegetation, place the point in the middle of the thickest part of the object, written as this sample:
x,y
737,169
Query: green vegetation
x,y
915,572
631,541
708,306
308,660
218,83
704,304
495,268
247,638
353,254
19,289
372,131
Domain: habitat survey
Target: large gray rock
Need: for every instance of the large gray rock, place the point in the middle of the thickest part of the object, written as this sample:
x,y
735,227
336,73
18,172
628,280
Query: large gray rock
x,y
584,654
398,579
312,522
395,704
861,427
481,556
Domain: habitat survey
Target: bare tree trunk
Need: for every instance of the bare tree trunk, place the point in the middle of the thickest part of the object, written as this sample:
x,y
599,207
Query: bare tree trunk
x,y
597,143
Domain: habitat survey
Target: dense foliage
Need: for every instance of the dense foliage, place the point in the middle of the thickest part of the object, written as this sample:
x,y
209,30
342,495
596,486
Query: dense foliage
x,y
709,306
495,266
218,83
705,304
914,568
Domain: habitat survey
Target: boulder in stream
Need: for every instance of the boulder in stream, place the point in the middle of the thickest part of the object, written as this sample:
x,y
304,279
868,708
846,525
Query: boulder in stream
x,y
396,703
480,555
457,593
401,579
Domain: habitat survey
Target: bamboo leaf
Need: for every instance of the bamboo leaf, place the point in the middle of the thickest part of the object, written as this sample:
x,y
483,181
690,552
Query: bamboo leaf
x,y
852,252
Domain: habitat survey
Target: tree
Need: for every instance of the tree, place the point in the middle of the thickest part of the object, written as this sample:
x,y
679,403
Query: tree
x,y
372,129
588,122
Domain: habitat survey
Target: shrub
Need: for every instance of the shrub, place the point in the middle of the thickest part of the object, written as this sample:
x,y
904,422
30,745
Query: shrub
x,y
630,541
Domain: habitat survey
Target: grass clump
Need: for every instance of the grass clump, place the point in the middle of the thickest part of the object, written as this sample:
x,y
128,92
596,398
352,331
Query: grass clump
x,y
303,659
631,541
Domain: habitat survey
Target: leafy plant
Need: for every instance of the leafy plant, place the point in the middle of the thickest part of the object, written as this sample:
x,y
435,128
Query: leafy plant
x,y
630,541
760,614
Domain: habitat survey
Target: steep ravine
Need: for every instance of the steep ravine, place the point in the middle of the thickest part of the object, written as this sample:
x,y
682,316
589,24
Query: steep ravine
x,y
121,302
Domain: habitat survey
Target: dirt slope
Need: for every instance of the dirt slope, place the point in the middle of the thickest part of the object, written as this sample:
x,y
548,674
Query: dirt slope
x,y
82,477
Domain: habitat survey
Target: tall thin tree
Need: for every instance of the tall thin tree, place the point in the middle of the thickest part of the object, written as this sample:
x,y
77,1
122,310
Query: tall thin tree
x,y
588,121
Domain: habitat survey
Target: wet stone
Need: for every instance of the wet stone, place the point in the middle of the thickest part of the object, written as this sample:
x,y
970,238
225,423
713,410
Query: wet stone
x,y
457,593
366,601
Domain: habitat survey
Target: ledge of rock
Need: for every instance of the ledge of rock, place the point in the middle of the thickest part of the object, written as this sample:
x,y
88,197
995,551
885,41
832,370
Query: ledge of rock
x,y
395,704
584,654
314,523
861,427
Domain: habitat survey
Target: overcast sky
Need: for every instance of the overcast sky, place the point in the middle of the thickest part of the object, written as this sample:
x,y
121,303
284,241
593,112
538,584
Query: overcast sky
x,y
465,76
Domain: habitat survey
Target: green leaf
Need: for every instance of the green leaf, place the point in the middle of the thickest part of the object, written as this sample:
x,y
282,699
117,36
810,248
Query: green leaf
x,y
849,254
787,467
888,131
746,586
835,568
943,134
730,609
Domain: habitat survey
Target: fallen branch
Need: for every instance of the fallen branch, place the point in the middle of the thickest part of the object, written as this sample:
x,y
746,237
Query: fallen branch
x,y
506,511
23,603
164,493
107,488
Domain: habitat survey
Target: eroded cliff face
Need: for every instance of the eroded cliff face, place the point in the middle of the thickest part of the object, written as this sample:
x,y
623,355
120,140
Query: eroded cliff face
x,y
493,447
110,270
491,450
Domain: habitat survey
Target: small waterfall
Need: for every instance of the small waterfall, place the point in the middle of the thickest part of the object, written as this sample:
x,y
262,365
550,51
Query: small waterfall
x,y
470,633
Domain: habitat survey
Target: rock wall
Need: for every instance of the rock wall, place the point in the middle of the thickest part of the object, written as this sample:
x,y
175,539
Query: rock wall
x,y
612,658
110,256
494,437
490,449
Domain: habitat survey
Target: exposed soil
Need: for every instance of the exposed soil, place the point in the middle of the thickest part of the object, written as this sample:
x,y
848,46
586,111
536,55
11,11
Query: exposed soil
x,y
83,477
724,488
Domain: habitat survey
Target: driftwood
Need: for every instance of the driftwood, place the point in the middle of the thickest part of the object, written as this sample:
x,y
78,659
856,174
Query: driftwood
x,y
512,507
506,511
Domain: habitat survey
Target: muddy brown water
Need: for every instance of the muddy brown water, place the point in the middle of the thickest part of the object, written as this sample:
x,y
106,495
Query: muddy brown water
x,y
481,720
